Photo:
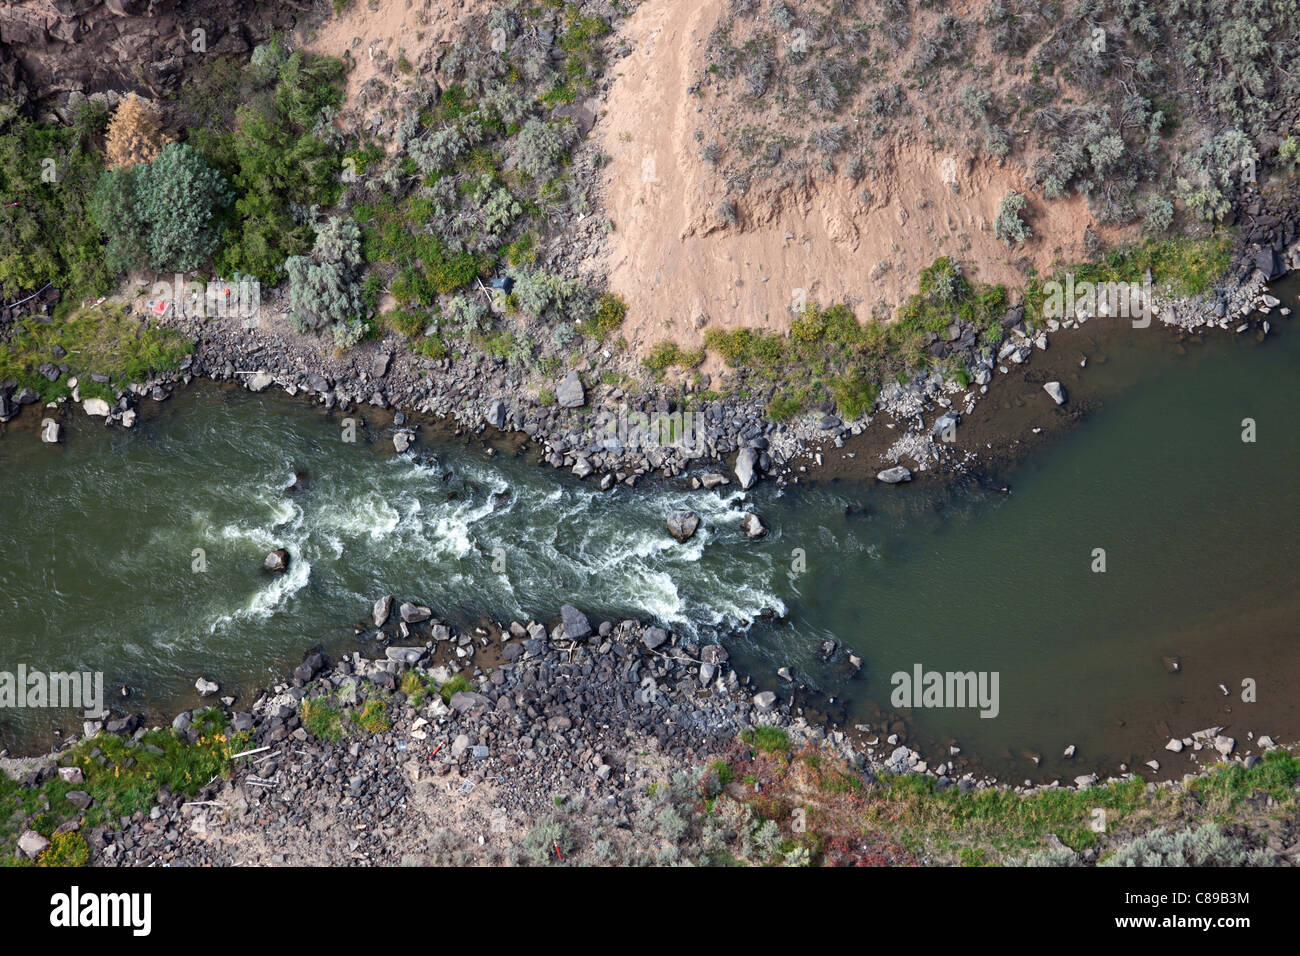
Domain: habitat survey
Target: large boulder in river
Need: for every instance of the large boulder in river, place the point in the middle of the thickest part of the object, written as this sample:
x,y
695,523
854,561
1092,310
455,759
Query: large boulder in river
x,y
570,393
95,406
747,467
1057,392
683,523
892,476
753,525
205,687
50,430
414,613
382,610
277,561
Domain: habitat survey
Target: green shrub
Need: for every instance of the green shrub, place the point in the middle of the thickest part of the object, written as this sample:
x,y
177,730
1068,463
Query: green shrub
x,y
1206,845
113,210
277,154
325,287
548,296
1213,173
1159,216
49,234
540,146
541,841
467,313
667,354
1288,153
609,314
1010,226
65,849
348,332
178,196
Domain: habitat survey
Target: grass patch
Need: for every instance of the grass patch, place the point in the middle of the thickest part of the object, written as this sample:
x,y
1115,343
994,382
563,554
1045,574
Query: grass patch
x,y
409,323
393,235
321,720
667,354
373,717
1001,819
123,777
1183,266
838,359
1276,774
456,685
416,687
767,739
97,340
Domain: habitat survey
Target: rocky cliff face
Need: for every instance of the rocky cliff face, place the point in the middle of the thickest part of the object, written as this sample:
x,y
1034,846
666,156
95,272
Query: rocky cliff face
x,y
55,53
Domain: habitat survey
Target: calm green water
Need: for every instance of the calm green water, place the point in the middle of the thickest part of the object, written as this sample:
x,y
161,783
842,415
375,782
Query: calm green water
x,y
98,538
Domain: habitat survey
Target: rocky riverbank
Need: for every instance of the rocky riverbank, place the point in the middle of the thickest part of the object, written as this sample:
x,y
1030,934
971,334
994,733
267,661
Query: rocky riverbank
x,y
916,424
453,744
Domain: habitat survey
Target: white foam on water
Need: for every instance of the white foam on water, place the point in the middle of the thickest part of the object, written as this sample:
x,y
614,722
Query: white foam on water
x,y
370,516
266,601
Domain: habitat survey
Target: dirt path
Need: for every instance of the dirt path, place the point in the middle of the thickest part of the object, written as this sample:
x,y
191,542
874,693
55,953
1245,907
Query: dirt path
x,y
672,257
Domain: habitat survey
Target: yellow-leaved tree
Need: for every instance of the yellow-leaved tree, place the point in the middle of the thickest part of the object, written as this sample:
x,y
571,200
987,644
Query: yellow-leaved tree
x,y
135,133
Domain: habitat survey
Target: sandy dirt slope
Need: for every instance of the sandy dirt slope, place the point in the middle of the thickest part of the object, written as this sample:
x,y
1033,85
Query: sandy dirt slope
x,y
681,270
376,38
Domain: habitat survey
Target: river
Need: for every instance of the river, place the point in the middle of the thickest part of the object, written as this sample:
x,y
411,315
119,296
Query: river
x,y
138,554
